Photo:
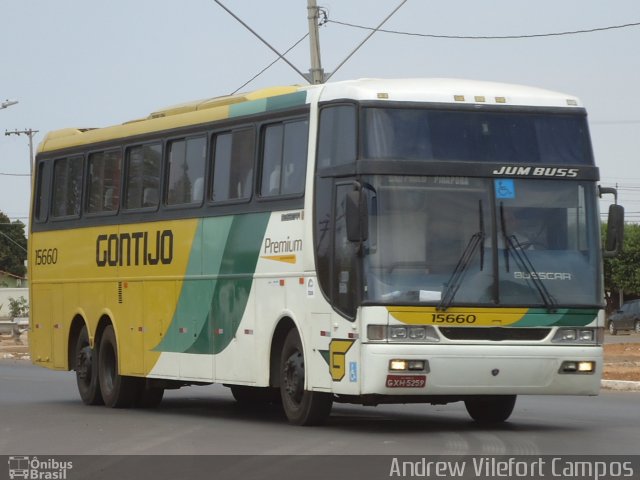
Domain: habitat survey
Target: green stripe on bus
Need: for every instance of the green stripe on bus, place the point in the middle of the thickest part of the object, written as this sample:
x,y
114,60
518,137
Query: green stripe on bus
x,y
266,104
562,317
231,293
209,310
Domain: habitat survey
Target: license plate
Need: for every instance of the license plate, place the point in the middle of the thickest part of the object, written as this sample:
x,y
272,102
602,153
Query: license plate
x,y
406,381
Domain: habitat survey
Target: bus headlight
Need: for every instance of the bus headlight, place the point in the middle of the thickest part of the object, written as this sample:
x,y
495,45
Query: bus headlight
x,y
402,365
579,366
397,333
402,333
580,336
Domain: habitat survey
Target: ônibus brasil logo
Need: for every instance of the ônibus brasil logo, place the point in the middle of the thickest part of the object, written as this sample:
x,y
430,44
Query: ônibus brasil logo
x,y
33,468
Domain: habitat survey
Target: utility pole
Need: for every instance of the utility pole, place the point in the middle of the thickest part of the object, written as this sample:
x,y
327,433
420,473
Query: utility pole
x,y
316,72
30,133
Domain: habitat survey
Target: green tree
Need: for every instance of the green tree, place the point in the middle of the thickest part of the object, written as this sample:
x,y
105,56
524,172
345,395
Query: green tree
x,y
13,246
622,273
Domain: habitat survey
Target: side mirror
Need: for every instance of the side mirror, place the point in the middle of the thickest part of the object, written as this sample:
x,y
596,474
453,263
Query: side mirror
x,y
615,231
357,216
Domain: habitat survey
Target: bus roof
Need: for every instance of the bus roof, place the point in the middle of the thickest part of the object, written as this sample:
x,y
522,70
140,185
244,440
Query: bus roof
x,y
446,90
191,113
437,90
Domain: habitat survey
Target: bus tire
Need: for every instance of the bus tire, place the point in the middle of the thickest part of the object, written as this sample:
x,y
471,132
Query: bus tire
x,y
302,407
487,409
118,391
86,367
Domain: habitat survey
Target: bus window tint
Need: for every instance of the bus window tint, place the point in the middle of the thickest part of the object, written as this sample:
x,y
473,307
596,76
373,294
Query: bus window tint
x,y
67,187
103,182
294,157
284,158
143,176
483,136
40,211
186,171
271,160
337,136
233,165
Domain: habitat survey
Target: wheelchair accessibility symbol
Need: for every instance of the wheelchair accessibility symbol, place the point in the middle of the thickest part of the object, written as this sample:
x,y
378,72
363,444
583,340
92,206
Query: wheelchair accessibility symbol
x,y
505,188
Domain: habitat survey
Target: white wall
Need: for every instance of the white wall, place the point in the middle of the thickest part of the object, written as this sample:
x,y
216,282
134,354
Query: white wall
x,y
6,293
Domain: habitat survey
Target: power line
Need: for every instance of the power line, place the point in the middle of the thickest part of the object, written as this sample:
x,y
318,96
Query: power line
x,y
244,24
373,30
488,37
269,66
15,174
13,241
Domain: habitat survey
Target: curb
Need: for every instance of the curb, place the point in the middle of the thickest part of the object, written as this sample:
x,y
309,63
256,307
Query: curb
x,y
620,385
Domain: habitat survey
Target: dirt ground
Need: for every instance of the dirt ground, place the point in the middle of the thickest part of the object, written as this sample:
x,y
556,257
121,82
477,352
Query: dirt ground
x,y
12,348
621,360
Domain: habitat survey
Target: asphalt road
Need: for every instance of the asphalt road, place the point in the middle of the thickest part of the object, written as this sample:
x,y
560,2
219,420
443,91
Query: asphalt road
x,y
41,413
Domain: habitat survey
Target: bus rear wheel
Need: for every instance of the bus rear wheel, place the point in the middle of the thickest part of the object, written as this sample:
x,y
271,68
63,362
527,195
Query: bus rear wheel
x,y
487,409
86,367
302,407
118,391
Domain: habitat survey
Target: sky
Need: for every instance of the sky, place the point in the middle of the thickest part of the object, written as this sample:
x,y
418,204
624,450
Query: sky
x,y
94,63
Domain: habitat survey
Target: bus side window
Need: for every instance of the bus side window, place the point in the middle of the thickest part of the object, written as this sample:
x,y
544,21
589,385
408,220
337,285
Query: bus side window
x,y
103,181
186,171
143,176
233,155
67,187
271,160
284,158
294,157
42,192
337,136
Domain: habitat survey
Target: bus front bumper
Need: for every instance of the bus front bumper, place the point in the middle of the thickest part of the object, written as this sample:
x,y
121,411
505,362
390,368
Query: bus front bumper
x,y
481,370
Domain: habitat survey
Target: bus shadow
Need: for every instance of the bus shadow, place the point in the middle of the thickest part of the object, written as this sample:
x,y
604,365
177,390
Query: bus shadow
x,y
357,419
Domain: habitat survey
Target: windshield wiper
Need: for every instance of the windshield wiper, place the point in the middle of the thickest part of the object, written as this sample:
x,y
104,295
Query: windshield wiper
x,y
524,262
455,281
512,244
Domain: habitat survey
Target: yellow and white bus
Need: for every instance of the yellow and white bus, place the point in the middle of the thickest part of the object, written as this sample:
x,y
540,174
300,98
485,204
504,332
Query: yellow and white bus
x,y
368,241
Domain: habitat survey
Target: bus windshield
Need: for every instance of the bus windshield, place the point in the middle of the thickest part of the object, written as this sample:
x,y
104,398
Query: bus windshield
x,y
469,241
476,136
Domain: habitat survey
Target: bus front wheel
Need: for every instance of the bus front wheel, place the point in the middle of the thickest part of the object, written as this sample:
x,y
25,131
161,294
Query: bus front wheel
x,y
86,367
118,391
302,407
488,409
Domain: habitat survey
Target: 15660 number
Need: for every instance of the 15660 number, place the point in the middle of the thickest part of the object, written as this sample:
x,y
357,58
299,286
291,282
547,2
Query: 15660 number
x,y
452,318
46,256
